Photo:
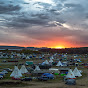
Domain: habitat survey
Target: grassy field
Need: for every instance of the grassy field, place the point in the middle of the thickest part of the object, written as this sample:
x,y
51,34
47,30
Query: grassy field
x,y
7,82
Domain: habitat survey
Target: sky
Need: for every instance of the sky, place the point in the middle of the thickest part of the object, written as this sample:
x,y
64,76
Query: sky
x,y
44,23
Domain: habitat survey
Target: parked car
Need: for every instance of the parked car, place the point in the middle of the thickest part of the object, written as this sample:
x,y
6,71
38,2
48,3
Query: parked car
x,y
8,69
70,82
43,78
4,61
26,79
4,71
1,77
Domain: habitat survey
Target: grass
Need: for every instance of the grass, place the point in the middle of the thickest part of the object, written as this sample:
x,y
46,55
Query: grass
x,y
4,82
14,84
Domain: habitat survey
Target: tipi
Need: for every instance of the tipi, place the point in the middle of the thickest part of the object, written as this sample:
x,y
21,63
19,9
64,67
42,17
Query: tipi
x,y
37,68
46,62
59,64
77,72
23,69
50,60
70,75
16,73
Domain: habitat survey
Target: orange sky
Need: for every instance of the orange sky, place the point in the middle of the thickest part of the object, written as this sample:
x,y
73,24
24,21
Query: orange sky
x,y
50,44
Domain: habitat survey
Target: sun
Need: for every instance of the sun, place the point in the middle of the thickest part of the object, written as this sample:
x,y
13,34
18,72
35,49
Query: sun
x,y
59,47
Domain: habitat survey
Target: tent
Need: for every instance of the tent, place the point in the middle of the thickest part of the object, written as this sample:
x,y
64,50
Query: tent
x,y
27,57
49,75
46,62
37,68
59,64
77,72
70,75
50,60
16,73
52,57
23,69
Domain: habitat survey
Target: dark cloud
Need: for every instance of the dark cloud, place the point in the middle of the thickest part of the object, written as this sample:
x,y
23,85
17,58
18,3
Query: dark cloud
x,y
72,5
26,22
1,3
41,16
9,8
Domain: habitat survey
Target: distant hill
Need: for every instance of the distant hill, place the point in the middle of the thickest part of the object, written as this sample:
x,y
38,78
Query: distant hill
x,y
11,47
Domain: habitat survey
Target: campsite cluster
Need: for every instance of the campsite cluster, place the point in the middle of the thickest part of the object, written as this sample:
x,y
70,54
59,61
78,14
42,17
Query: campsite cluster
x,y
45,66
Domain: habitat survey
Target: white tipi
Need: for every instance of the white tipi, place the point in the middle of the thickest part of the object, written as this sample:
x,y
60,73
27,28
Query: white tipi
x,y
46,62
70,74
37,68
27,57
23,69
77,72
16,73
52,57
59,64
50,60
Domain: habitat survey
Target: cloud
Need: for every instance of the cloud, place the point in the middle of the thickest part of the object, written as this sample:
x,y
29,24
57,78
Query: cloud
x,y
40,22
8,8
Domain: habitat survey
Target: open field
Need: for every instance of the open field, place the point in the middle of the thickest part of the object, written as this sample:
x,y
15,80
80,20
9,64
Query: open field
x,y
7,82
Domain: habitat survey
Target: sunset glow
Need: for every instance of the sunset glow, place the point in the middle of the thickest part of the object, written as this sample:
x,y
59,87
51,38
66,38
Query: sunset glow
x,y
59,47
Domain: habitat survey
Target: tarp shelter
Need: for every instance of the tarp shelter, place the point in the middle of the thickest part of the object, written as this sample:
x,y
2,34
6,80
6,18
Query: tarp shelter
x,y
54,70
56,73
29,62
49,75
62,74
